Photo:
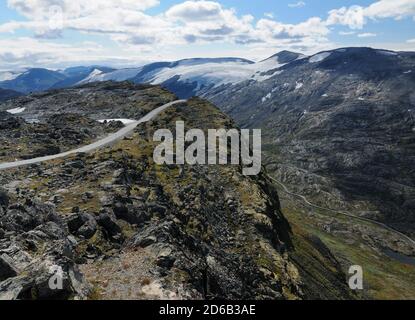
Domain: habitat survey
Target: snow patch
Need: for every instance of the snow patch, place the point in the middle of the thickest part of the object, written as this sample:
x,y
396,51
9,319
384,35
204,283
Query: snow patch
x,y
267,97
16,110
319,57
117,75
218,73
298,85
387,53
92,76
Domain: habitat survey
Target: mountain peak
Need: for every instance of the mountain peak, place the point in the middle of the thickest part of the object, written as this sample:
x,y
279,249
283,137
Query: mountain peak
x,y
285,56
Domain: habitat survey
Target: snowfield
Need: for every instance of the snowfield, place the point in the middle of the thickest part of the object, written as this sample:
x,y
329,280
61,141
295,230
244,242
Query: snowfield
x,y
319,57
16,110
203,72
117,75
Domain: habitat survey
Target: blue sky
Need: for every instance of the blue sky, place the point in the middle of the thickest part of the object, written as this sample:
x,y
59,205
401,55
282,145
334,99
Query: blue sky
x,y
53,33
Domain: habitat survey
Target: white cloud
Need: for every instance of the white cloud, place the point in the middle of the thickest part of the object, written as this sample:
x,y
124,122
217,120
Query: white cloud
x,y
23,52
357,16
367,35
397,9
187,24
299,4
353,17
410,41
140,35
43,9
346,33
127,23
313,27
196,11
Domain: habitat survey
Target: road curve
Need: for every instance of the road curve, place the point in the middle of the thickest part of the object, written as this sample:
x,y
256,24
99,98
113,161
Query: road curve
x,y
344,213
96,145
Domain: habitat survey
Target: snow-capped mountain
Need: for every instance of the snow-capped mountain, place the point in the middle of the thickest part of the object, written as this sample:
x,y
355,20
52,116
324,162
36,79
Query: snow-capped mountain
x,y
194,76
76,74
185,78
116,75
39,79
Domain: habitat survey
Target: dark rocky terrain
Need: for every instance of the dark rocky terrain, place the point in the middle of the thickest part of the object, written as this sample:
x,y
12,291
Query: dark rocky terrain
x,y
121,227
97,101
58,133
338,128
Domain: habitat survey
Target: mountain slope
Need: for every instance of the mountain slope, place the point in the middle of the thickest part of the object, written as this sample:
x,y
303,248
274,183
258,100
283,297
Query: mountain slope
x,y
127,228
75,75
192,77
6,94
339,128
33,80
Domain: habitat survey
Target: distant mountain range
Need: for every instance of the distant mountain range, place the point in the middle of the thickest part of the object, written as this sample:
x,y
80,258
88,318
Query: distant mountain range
x,y
38,79
185,77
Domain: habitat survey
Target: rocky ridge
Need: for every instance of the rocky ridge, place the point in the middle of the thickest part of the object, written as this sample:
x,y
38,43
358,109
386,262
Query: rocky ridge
x,y
122,227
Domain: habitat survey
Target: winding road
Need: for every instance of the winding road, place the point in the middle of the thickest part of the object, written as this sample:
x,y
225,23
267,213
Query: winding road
x,y
96,145
347,214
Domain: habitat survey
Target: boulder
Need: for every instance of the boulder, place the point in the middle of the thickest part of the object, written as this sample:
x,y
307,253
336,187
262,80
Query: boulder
x,y
122,212
82,224
8,268
108,223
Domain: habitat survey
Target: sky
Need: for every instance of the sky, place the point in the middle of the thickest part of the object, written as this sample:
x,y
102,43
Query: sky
x,y
126,33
